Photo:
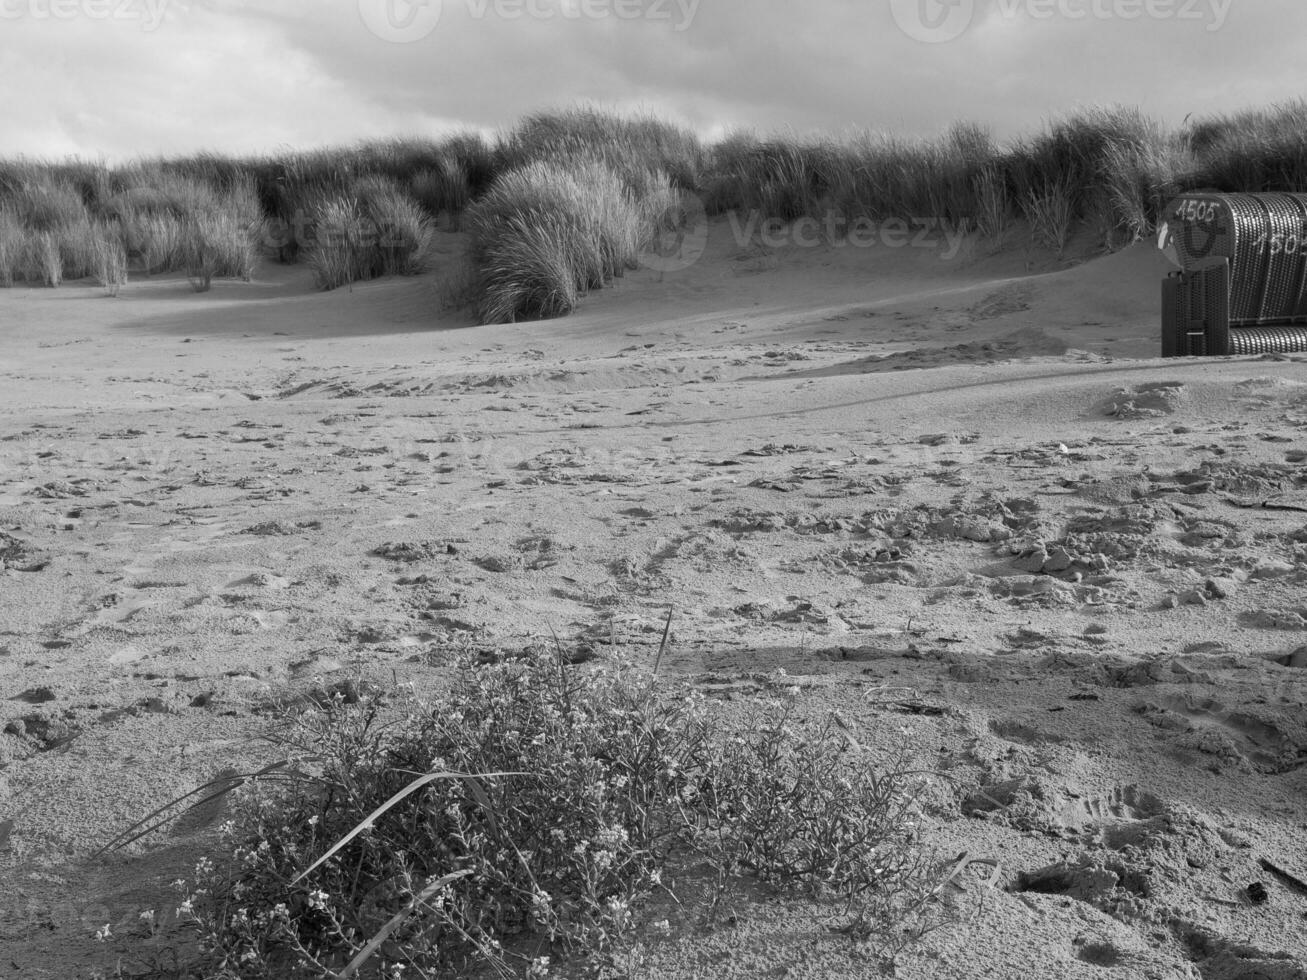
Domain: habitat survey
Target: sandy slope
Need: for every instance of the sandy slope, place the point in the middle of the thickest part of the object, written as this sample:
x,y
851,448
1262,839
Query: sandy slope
x,y
956,495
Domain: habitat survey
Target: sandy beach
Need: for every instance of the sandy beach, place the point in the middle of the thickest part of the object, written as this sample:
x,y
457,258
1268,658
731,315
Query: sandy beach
x,y
961,496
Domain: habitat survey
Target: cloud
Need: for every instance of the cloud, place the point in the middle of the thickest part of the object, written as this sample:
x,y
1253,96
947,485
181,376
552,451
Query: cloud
x,y
249,75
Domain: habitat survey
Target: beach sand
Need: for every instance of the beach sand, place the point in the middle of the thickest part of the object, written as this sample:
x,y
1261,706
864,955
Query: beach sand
x,y
960,496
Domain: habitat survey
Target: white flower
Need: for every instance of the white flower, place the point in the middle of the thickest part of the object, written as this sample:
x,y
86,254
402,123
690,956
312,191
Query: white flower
x,y
103,934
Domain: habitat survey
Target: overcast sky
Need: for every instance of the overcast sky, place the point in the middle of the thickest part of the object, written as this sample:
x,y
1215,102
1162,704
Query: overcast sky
x,y
121,78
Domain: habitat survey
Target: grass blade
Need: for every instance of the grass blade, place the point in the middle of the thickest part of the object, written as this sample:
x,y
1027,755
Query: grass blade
x,y
368,951
662,647
420,783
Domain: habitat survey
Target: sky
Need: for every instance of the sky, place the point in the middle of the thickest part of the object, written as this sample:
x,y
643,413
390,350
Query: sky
x,y
119,79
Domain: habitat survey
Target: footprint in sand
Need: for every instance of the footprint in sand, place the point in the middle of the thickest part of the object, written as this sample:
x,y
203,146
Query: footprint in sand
x,y
1121,803
116,609
1266,744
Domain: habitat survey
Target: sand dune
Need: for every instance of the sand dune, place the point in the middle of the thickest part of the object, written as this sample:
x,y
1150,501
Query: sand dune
x,y
970,479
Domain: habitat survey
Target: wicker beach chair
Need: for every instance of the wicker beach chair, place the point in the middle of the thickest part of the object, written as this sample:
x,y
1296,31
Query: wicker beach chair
x,y
1242,283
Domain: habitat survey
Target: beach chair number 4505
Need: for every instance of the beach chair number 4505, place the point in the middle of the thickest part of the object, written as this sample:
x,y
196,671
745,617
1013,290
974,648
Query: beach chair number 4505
x,y
1241,287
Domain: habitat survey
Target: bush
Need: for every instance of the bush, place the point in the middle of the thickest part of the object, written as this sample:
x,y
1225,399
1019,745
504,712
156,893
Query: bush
x,y
549,232
800,808
169,222
375,231
525,269
547,810
217,245
339,237
528,810
292,189
400,228
50,236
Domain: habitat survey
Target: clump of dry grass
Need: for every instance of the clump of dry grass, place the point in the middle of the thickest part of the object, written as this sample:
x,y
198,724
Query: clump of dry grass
x,y
993,207
1048,209
68,223
376,230
549,232
1253,151
175,223
48,231
110,261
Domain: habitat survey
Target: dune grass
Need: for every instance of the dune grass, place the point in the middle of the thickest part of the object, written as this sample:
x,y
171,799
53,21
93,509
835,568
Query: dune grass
x,y
210,216
1256,150
630,146
66,223
550,231
376,229
541,243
